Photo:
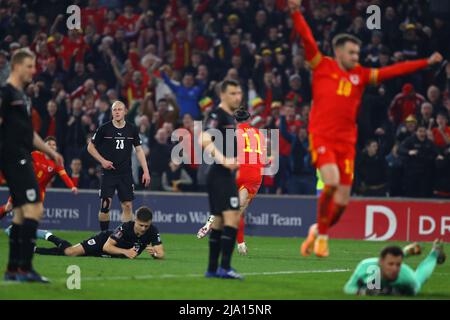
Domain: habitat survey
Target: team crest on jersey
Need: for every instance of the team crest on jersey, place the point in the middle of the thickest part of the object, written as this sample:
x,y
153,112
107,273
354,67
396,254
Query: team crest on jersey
x,y
31,195
354,78
321,150
234,202
50,169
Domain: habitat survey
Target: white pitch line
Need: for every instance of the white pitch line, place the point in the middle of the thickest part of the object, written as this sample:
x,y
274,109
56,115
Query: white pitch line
x,y
166,276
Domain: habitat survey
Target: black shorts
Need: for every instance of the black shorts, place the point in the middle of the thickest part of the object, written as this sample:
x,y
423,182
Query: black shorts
x,y
94,245
123,184
21,180
222,191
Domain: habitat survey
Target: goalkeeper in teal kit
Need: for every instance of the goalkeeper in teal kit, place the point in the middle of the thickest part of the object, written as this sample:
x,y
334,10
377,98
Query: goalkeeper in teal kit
x,y
388,275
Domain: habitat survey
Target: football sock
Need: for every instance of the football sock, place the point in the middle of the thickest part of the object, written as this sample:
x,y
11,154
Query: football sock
x,y
28,237
323,208
14,247
54,239
228,240
50,251
240,233
336,213
214,250
104,225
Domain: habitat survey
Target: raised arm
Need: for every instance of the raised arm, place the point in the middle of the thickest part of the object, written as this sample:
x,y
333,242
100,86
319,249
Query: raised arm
x,y
312,53
403,68
168,81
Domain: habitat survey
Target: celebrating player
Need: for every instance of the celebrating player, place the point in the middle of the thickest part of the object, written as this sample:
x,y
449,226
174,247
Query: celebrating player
x,y
388,275
222,190
112,147
18,139
45,169
251,154
338,85
129,240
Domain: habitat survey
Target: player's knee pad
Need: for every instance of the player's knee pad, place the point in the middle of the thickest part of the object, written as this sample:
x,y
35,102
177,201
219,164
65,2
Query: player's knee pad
x,y
105,205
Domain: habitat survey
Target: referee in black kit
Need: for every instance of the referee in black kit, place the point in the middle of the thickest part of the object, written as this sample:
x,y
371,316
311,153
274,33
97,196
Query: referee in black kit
x,y
17,140
112,146
221,183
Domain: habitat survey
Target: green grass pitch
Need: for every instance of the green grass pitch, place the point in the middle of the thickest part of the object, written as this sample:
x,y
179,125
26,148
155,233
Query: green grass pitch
x,y
274,269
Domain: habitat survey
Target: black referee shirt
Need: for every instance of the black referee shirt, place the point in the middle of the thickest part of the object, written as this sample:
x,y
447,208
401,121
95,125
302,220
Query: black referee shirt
x,y
221,120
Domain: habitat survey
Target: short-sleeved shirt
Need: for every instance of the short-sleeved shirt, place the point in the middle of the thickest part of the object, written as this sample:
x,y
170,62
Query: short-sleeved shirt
x,y
224,122
16,130
126,238
116,145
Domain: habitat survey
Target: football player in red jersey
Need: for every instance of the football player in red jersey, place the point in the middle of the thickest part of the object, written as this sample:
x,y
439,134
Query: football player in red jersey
x,y
45,169
251,155
337,87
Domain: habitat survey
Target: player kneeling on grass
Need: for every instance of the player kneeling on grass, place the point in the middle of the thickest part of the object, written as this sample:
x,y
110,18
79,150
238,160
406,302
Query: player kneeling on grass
x,y
128,241
388,275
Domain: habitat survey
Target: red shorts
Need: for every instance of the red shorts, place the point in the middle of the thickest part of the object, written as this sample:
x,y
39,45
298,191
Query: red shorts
x,y
250,179
323,151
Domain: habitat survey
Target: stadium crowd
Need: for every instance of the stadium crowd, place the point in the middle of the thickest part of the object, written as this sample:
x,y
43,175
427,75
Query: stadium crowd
x,y
165,59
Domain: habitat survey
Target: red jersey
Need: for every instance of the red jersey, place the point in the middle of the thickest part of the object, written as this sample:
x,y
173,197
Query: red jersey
x,y
128,23
96,15
251,154
251,149
337,92
45,169
438,136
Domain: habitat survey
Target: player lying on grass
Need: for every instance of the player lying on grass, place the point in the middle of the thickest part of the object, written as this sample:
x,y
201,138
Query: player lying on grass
x,y
338,84
128,241
388,275
251,157
45,169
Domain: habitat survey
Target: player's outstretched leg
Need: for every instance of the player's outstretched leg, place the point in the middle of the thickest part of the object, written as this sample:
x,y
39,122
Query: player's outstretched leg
x,y
244,200
40,234
324,207
241,245
203,231
59,250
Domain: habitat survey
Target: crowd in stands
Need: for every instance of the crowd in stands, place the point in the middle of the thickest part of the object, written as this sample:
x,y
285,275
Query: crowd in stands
x,y
165,60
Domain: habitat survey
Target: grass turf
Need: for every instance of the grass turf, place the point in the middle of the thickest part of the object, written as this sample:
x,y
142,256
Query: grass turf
x,y
274,268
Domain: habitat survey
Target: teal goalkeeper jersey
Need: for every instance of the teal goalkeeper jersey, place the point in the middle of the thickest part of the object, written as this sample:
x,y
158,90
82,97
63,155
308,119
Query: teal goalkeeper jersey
x,y
365,277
